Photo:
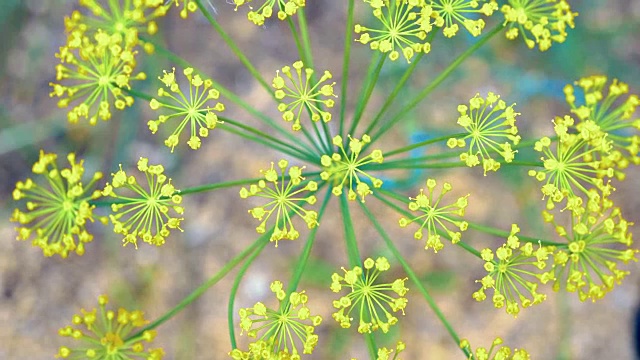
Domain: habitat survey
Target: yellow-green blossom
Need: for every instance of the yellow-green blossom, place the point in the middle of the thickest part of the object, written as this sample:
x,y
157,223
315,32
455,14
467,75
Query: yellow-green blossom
x,y
541,22
284,200
57,207
502,353
341,168
436,215
127,18
372,301
301,94
145,213
280,333
385,353
188,6
191,110
598,240
403,29
515,275
572,170
93,77
285,8
107,334
606,108
452,12
491,128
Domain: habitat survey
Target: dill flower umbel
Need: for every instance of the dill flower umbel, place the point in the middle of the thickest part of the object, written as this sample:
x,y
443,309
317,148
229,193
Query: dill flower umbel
x,y
598,239
284,201
491,125
371,301
303,94
145,214
544,20
95,74
405,24
107,334
192,110
602,106
385,353
452,12
340,167
285,8
57,209
436,214
502,353
127,19
188,6
515,275
282,331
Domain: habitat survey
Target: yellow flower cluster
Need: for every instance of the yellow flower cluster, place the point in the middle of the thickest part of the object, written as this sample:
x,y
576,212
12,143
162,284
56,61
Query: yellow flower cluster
x,y
502,353
144,215
109,335
285,8
284,201
57,207
192,109
342,167
452,12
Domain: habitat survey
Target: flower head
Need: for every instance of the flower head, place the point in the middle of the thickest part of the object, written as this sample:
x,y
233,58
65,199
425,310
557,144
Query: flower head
x,y
284,199
544,20
603,107
57,208
303,94
188,6
435,214
286,8
502,353
107,334
571,169
405,24
514,272
373,302
192,111
491,128
94,75
385,353
452,12
128,19
598,239
281,331
145,214
342,167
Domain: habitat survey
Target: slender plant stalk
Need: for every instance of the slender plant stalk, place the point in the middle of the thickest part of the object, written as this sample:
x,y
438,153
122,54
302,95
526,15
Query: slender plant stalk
x,y
346,61
367,89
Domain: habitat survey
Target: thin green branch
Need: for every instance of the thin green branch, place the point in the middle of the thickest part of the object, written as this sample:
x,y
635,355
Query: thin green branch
x,y
346,60
367,89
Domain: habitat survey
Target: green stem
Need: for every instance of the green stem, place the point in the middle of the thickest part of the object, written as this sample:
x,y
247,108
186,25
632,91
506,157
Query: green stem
x,y
367,89
234,291
260,242
234,48
346,58
437,81
414,278
504,234
421,144
354,259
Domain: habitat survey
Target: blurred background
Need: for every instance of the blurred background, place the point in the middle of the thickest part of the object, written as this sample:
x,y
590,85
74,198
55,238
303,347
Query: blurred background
x,y
39,295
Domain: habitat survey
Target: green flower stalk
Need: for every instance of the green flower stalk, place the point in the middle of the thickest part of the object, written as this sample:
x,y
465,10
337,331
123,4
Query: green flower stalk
x,y
285,9
502,352
611,114
372,301
107,335
491,128
514,272
344,169
283,200
454,12
93,73
57,208
541,22
298,93
405,24
192,110
145,215
598,240
436,215
282,331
